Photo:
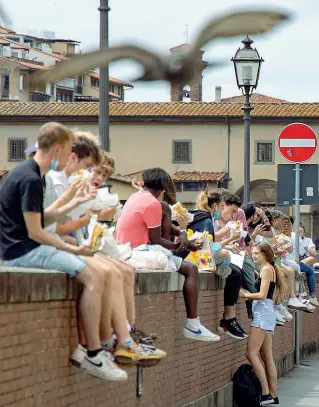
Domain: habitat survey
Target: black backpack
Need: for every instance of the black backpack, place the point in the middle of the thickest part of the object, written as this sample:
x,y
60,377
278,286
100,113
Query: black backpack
x,y
246,387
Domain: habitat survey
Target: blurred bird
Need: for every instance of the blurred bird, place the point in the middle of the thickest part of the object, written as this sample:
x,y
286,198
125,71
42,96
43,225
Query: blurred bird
x,y
178,68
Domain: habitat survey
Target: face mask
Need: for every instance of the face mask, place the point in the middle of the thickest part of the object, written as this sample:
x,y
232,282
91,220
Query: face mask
x,y
216,215
54,165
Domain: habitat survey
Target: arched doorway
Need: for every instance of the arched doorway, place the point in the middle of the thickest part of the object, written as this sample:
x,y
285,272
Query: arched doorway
x,y
263,191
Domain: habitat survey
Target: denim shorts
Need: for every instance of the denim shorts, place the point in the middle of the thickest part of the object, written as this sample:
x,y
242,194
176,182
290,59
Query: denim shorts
x,y
49,258
216,248
264,315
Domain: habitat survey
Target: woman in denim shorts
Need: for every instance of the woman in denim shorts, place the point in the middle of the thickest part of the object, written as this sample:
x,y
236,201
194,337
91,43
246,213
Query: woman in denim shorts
x,y
269,284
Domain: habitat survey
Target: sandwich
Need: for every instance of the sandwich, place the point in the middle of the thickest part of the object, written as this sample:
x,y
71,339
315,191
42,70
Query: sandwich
x,y
97,236
179,208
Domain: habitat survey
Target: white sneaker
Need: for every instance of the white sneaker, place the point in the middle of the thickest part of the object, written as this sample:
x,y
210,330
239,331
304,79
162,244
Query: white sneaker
x,y
310,308
200,333
78,355
103,367
295,303
314,301
279,319
284,312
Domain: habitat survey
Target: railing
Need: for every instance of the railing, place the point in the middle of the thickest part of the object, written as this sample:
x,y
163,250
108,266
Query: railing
x,y
39,97
66,83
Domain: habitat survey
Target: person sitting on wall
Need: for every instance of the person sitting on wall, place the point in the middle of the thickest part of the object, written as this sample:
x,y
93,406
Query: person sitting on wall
x,y
140,224
210,207
25,243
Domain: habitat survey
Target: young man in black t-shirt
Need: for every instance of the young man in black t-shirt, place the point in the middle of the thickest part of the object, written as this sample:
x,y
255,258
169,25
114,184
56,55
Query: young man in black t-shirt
x,y
25,243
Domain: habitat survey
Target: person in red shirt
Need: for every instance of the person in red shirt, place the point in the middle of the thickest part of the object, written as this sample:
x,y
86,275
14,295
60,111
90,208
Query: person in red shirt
x,y
140,223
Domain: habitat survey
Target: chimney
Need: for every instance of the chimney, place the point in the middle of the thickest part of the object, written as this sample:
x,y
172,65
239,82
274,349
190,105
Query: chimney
x,y
218,94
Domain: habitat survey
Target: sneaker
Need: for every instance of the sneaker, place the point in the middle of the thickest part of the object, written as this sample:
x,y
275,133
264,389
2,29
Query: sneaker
x,y
266,399
136,354
231,328
241,329
200,333
284,312
295,303
279,319
78,355
103,367
314,301
140,337
310,308
276,402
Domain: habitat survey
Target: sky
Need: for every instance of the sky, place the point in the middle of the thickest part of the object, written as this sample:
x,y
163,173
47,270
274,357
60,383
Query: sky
x,y
291,66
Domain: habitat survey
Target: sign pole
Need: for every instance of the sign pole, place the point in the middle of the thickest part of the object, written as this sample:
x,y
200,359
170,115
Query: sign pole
x,y
297,221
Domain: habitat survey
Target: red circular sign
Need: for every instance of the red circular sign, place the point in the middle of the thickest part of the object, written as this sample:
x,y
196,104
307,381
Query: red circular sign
x,y
297,142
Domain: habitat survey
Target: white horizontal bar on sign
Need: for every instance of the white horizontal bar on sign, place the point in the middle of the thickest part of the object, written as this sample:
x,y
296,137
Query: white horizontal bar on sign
x,y
297,142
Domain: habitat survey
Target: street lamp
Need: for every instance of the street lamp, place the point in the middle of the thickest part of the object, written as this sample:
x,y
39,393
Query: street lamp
x,y
247,63
104,118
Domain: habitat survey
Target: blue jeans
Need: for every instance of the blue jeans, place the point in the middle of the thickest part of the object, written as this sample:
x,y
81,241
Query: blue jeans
x,y
49,258
311,280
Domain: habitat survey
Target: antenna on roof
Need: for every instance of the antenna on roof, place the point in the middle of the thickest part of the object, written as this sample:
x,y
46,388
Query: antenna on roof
x,y
185,33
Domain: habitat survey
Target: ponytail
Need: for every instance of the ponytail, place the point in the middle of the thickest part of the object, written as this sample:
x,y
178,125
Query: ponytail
x,y
202,202
205,201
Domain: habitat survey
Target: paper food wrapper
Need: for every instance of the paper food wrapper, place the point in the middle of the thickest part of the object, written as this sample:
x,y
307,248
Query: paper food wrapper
x,y
84,175
104,199
92,236
237,226
178,208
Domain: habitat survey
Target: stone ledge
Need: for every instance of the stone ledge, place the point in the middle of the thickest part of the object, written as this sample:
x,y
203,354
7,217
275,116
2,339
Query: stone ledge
x,y
34,285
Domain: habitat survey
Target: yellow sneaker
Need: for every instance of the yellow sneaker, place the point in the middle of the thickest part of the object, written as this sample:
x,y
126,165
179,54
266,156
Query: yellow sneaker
x,y
135,354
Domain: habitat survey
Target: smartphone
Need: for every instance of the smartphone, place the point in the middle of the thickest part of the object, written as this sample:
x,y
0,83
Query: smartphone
x,y
267,228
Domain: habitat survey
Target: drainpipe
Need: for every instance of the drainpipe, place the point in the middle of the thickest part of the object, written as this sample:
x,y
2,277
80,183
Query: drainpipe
x,y
228,146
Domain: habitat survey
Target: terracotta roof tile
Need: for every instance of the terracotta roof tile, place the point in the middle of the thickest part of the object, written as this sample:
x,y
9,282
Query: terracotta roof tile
x,y
255,98
175,109
121,178
26,64
187,175
198,176
96,75
3,172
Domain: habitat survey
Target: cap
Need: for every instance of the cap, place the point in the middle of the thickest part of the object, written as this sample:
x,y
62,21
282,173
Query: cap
x,y
249,210
31,149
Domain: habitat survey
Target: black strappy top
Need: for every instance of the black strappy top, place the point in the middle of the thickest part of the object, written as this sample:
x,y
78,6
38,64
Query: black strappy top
x,y
271,289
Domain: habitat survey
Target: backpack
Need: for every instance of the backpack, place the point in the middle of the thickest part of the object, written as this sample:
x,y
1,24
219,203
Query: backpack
x,y
247,389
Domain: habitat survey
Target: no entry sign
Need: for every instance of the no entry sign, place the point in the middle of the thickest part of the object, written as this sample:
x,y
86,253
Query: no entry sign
x,y
297,142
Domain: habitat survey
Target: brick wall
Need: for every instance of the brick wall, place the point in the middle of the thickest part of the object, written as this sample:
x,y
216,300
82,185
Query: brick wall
x,y
38,333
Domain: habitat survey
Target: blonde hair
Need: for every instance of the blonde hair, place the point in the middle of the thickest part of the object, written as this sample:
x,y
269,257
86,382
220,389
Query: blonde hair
x,y
206,200
53,133
107,164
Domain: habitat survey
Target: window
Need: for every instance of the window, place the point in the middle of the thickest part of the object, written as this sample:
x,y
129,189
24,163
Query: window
x,y
16,147
5,86
21,80
14,54
193,186
182,151
265,152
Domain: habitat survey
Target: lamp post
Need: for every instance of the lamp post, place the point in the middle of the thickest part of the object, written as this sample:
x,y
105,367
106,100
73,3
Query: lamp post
x,y
104,118
247,63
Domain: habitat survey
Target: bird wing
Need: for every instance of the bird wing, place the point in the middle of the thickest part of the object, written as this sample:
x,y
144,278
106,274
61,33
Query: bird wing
x,y
100,58
4,17
241,23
